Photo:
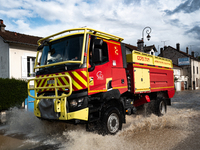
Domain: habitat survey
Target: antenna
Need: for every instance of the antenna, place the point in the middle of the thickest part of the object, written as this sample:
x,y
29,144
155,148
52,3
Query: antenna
x,y
164,42
158,47
190,47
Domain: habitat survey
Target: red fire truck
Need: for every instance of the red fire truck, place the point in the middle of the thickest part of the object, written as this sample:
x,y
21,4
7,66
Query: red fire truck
x,y
86,76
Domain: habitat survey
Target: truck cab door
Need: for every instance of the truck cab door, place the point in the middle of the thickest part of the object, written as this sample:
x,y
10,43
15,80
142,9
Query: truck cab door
x,y
100,70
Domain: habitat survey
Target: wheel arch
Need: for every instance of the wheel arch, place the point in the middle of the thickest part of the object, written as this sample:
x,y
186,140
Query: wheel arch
x,y
117,103
161,94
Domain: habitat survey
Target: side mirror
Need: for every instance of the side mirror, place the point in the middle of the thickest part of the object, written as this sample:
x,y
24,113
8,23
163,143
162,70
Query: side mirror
x,y
43,44
40,47
98,43
97,51
97,57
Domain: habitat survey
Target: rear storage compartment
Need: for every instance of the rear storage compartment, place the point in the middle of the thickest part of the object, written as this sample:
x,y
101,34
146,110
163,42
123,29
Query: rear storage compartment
x,y
149,73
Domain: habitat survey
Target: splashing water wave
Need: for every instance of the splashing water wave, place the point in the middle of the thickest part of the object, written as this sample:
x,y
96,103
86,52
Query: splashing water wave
x,y
138,133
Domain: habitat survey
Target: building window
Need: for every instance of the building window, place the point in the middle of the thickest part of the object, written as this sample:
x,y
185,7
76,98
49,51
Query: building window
x,y
30,66
197,70
193,70
28,63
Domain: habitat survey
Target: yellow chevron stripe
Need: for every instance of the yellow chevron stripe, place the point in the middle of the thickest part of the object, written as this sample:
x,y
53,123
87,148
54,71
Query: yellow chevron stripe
x,y
79,78
49,84
74,83
59,82
66,80
42,82
84,72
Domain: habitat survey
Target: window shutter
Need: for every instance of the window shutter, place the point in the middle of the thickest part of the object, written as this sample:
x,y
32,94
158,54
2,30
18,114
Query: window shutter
x,y
24,66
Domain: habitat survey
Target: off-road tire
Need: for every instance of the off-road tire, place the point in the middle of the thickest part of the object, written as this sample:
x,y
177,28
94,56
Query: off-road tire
x,y
112,121
160,107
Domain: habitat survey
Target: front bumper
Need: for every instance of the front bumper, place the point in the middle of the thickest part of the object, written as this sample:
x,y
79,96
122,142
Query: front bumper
x,y
55,107
58,107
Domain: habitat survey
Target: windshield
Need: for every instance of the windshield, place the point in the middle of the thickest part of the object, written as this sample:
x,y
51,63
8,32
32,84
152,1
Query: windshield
x,y
66,49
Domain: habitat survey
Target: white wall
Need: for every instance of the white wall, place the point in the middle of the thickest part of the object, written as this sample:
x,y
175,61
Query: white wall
x,y
177,72
149,52
17,52
195,77
4,59
178,86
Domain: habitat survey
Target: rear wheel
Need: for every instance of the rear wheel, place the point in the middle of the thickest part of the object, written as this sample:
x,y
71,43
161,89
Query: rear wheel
x,y
112,121
160,107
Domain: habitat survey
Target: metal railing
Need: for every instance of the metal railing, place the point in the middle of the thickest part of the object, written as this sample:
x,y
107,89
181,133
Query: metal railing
x,y
72,32
55,87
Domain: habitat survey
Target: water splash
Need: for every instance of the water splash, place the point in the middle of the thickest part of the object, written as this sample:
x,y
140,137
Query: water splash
x,y
139,132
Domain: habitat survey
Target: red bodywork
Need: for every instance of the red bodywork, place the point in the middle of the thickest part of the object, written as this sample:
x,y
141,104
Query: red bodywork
x,y
142,100
161,78
110,71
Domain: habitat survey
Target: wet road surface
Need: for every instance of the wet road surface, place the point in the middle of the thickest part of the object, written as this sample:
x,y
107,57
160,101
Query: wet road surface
x,y
178,130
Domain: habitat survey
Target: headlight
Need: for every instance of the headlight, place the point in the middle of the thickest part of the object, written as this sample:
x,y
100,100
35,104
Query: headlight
x,y
73,103
77,102
80,100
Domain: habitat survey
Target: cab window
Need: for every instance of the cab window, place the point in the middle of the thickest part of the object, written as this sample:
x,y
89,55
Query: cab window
x,y
102,48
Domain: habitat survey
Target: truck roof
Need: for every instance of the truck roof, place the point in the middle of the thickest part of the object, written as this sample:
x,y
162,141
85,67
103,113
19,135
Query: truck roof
x,y
75,31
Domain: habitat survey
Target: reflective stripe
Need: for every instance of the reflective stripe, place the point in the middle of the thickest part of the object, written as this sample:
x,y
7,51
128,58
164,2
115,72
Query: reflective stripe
x,y
80,78
79,81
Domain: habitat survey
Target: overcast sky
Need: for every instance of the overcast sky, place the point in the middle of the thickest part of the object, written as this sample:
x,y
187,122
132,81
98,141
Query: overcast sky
x,y
172,21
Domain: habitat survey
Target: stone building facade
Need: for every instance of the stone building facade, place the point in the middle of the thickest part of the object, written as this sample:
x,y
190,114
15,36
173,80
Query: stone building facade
x,y
189,70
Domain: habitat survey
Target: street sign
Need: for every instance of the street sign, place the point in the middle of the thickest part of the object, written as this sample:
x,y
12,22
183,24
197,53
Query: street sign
x,y
183,61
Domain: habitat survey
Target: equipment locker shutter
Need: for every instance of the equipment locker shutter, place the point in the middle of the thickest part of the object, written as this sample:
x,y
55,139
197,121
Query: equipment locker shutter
x,y
142,79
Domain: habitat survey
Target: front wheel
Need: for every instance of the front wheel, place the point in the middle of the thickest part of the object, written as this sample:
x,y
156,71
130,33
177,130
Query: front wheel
x,y
112,121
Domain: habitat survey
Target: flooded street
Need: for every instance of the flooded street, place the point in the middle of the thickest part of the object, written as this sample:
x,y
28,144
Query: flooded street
x,y
178,130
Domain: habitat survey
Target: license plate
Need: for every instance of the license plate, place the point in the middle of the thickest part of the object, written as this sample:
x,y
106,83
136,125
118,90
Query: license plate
x,y
50,81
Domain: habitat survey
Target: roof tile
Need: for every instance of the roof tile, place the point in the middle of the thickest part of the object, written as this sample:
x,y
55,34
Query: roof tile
x,y
15,37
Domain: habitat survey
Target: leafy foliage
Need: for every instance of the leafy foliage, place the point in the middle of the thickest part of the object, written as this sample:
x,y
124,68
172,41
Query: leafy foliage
x,y
12,93
198,57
